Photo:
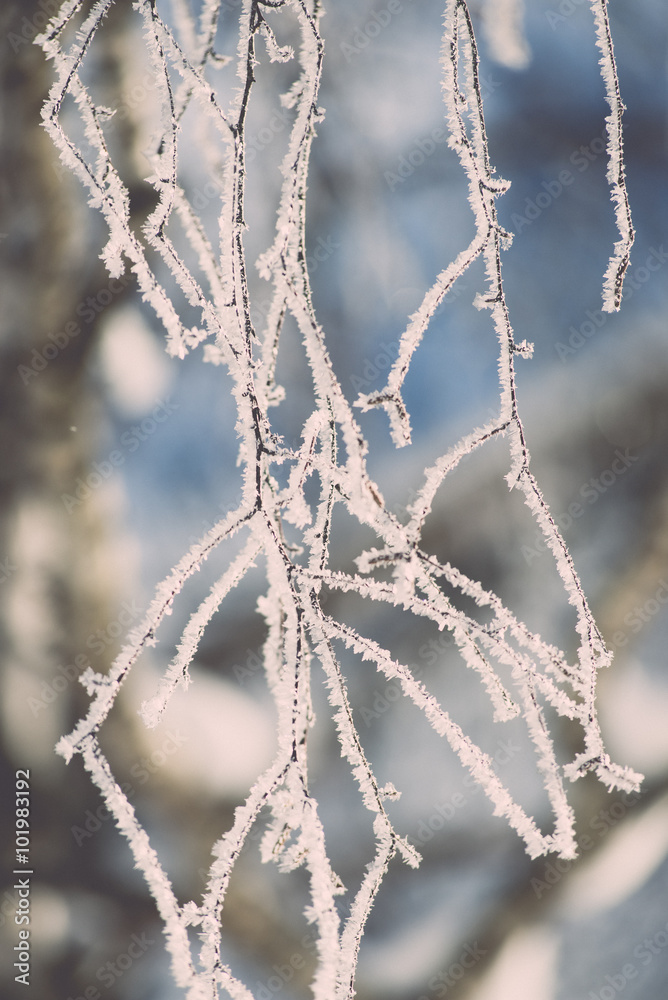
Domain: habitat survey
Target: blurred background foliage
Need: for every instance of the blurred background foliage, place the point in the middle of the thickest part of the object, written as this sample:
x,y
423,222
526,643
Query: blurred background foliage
x,y
115,457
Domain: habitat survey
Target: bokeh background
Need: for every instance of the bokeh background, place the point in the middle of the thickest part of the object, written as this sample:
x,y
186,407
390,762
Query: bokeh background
x,y
80,556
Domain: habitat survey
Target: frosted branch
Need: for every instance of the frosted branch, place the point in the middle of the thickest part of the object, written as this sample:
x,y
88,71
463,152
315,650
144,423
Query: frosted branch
x,y
519,672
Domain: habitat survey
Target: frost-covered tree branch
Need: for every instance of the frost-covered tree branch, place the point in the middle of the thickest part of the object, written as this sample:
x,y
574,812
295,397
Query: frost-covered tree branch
x,y
523,675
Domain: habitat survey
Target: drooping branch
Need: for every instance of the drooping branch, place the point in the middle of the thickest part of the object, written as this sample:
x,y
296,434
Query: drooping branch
x,y
520,673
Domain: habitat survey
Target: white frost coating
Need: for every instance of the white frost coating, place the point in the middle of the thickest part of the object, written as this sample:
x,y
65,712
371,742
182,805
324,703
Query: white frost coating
x,y
520,673
614,276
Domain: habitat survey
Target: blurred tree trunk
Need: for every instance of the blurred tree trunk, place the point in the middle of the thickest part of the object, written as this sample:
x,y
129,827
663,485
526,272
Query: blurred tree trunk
x,y
57,588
